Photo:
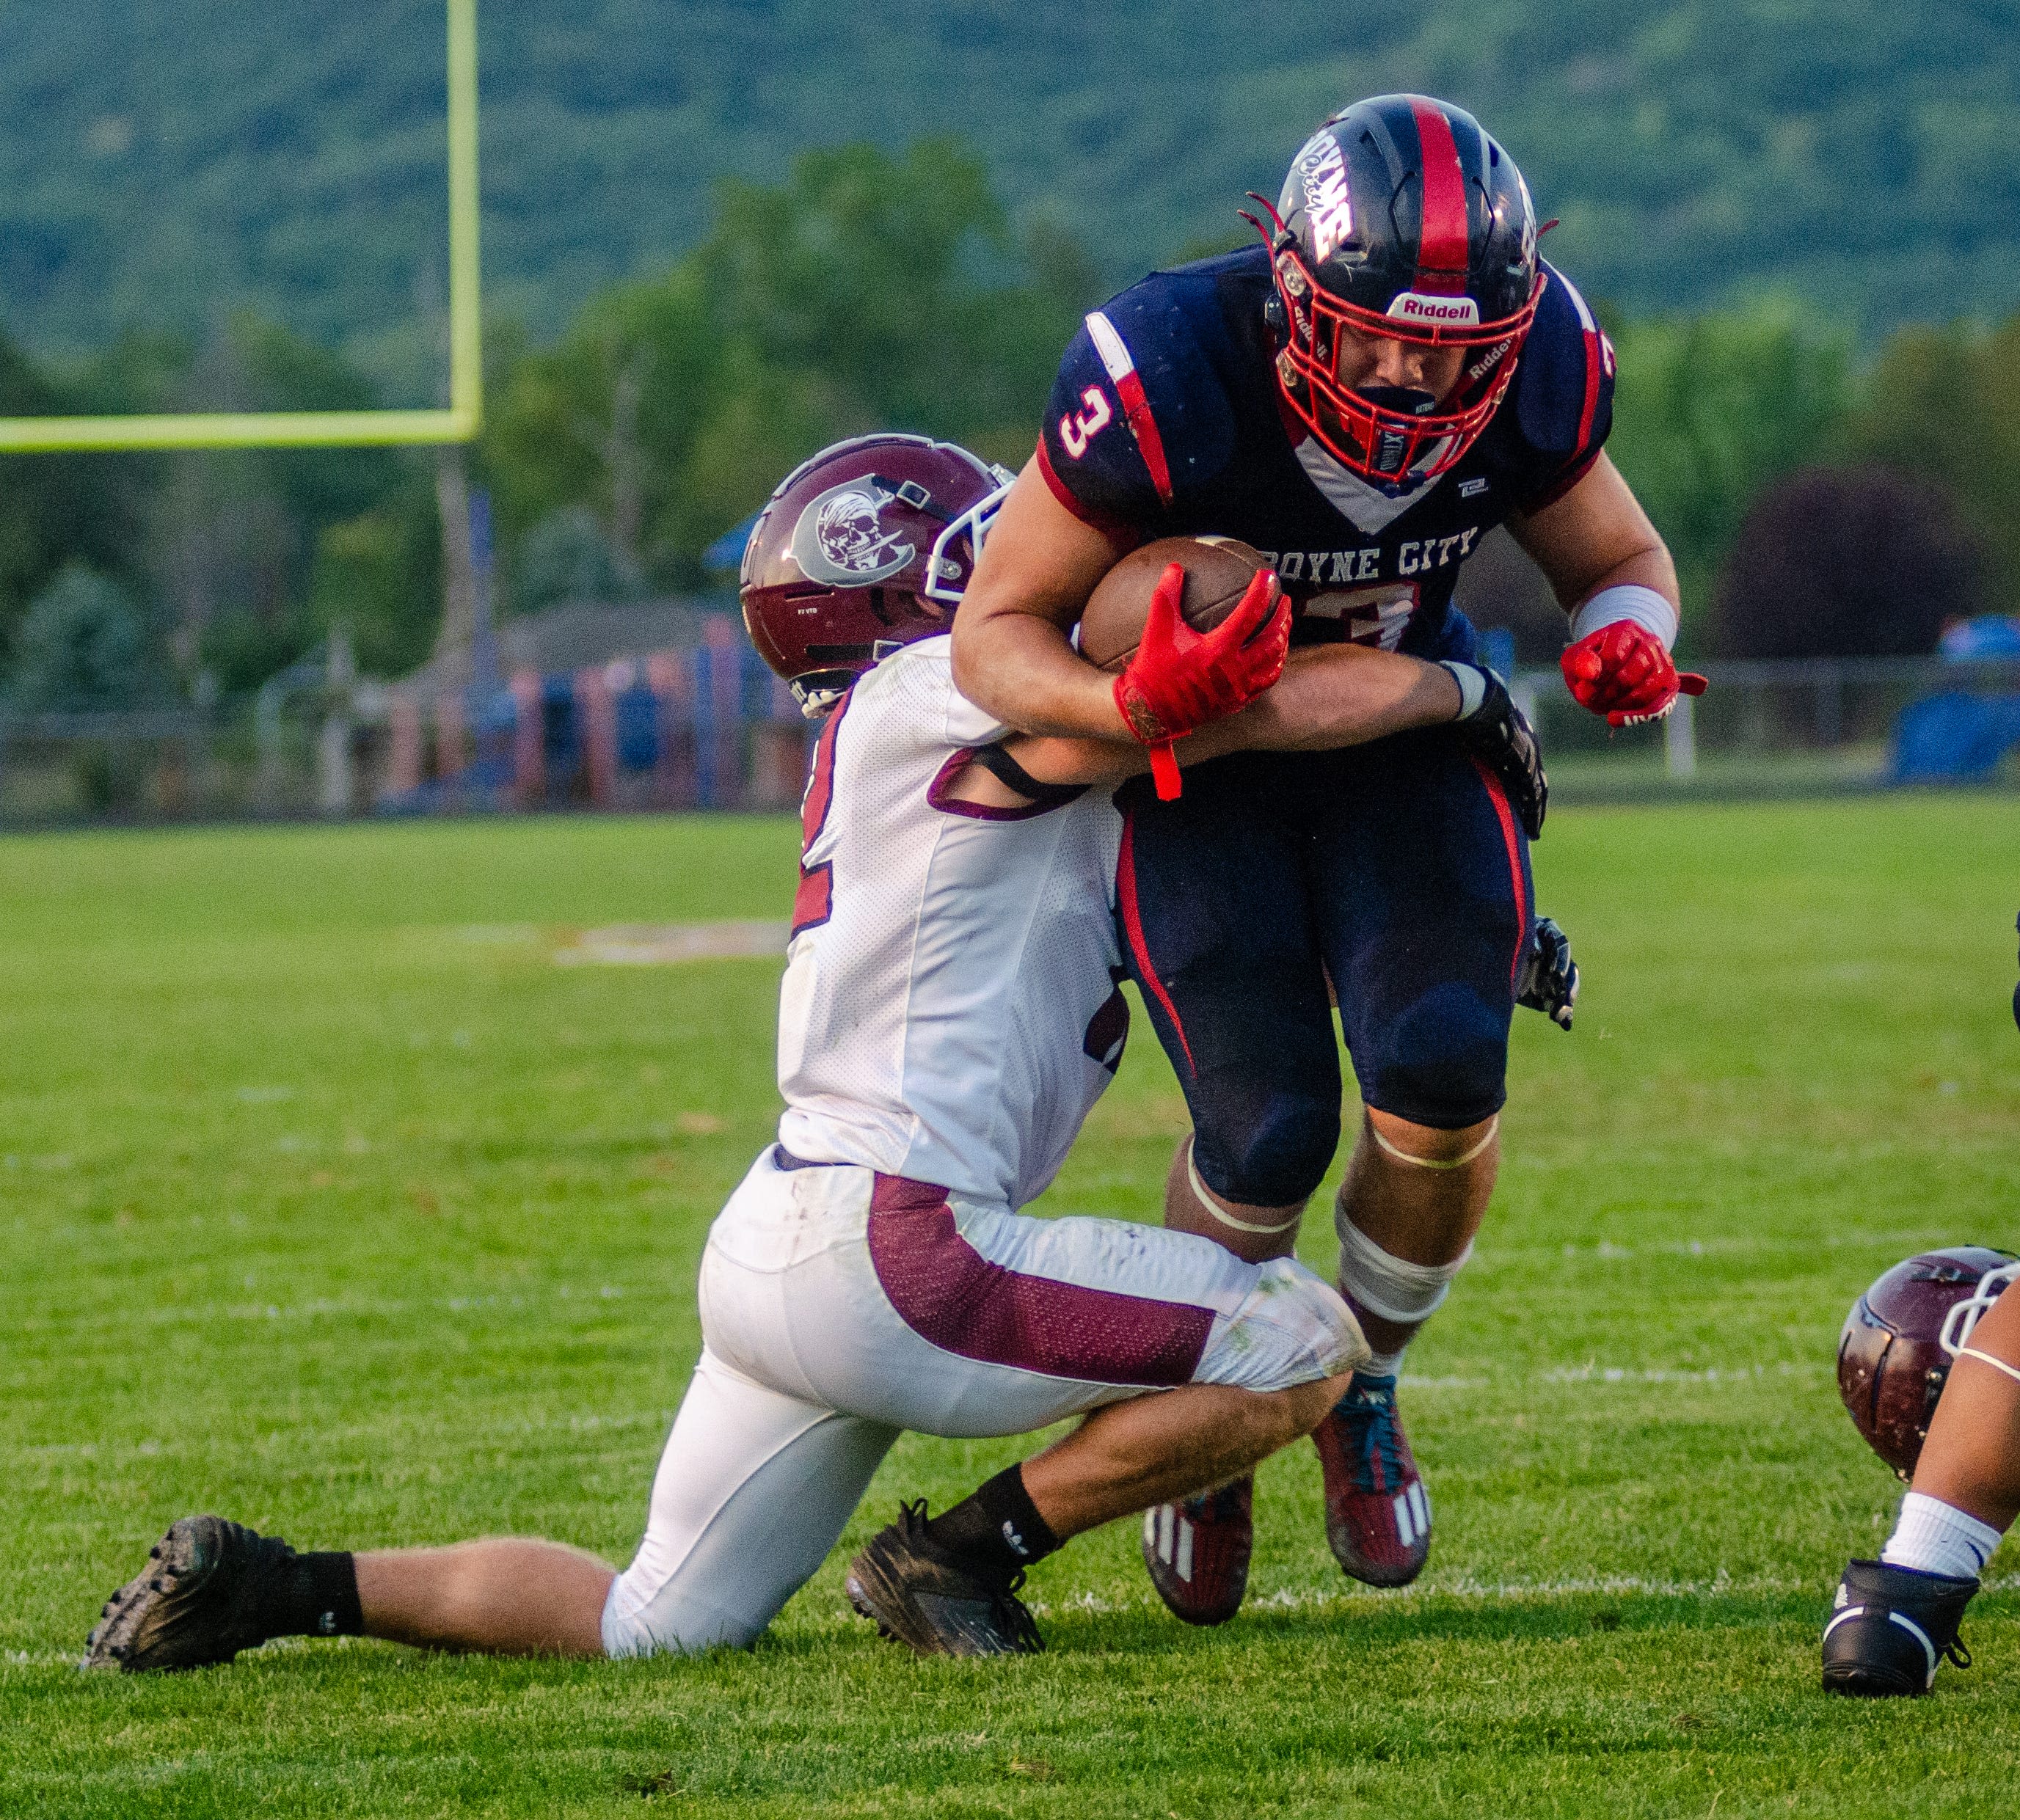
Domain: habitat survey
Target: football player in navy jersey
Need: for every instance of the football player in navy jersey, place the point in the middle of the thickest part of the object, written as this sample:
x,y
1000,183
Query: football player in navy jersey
x,y
1391,374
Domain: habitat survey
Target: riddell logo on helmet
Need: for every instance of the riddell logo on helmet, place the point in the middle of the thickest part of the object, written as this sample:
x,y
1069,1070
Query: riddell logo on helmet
x,y
1440,312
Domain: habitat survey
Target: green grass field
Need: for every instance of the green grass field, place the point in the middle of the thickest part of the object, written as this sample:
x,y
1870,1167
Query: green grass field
x,y
327,1199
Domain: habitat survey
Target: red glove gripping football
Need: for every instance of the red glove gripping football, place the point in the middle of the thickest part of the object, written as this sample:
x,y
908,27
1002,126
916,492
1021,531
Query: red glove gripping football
x,y
1625,672
1180,680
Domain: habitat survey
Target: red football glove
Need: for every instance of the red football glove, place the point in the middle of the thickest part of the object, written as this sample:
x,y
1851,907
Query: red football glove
x,y
1624,672
1179,679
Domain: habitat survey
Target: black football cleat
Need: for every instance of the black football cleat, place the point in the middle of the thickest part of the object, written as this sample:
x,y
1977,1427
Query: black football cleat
x,y
1197,1551
1890,1629
917,1593
195,1602
1378,1515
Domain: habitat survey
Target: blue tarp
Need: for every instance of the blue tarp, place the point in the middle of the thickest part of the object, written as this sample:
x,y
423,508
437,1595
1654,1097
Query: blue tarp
x,y
726,550
1954,738
1989,635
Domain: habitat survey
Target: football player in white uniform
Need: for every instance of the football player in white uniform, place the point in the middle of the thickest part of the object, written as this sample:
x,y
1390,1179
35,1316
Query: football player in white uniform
x,y
949,1013
1929,1366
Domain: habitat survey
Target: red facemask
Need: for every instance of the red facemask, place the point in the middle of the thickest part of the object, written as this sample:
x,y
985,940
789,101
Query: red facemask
x,y
1368,437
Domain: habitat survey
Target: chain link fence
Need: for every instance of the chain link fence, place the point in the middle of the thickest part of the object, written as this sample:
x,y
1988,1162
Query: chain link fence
x,y
1816,726
710,728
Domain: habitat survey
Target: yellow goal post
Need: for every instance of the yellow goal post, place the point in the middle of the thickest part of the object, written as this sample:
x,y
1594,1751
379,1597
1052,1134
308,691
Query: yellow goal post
x,y
325,429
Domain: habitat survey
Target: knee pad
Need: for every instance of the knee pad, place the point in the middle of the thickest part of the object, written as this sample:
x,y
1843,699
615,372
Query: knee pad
x,y
1388,1286
1293,1328
1273,1154
1444,1062
1338,1343
632,1627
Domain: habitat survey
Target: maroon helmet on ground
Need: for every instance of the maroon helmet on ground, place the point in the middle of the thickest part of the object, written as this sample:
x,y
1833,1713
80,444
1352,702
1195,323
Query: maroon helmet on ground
x,y
1400,219
1894,1356
861,550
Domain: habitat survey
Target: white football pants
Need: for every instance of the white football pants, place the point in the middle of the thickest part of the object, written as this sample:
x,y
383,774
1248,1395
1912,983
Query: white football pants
x,y
840,1307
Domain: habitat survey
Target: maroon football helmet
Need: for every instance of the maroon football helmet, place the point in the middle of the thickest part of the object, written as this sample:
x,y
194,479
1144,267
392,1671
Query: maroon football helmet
x,y
860,551
1401,220
1894,1356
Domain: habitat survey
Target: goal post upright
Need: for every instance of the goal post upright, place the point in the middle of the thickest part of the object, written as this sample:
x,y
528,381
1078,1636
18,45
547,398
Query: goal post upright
x,y
460,422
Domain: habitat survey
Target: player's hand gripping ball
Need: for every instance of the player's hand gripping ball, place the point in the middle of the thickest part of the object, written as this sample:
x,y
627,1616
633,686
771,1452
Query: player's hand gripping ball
x,y
1202,653
1626,672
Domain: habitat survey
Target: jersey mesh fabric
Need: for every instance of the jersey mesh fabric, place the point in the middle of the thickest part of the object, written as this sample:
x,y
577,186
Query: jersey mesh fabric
x,y
935,1026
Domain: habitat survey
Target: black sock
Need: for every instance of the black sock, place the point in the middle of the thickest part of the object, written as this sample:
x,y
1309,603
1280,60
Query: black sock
x,y
313,1595
997,1526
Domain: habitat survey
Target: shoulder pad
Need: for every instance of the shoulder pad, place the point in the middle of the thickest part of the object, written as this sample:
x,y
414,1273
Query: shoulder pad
x,y
1138,413
1564,388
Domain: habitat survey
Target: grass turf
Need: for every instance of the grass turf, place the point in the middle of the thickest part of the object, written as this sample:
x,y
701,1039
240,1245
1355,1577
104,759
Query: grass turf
x,y
328,1200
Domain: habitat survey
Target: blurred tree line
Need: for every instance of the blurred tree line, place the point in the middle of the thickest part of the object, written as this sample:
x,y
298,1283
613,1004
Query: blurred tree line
x,y
1815,506
869,289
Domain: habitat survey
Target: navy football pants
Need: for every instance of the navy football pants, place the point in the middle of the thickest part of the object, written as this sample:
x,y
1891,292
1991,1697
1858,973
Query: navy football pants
x,y
1398,869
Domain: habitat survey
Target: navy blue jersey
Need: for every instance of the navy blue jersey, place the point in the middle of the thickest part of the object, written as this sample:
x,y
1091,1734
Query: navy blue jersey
x,y
1164,422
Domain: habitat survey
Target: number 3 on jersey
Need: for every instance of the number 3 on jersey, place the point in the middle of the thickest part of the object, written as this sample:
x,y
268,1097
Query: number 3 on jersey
x,y
813,903
1076,426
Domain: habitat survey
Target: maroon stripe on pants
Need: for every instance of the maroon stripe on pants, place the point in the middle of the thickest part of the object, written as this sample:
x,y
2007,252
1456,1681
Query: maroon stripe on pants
x,y
949,1294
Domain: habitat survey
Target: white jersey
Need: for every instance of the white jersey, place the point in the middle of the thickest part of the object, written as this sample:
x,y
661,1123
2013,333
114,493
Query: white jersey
x,y
950,1009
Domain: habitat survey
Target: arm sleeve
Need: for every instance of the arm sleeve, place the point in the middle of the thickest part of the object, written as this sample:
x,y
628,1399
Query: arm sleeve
x,y
1563,395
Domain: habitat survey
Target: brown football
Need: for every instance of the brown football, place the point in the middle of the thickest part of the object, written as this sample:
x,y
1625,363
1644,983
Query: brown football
x,y
1217,571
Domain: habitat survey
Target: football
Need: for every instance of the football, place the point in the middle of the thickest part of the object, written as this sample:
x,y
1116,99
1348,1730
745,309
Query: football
x,y
1892,1367
1217,571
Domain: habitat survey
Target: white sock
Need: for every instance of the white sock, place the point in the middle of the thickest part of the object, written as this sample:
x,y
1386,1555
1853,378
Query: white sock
x,y
1381,1364
1935,1538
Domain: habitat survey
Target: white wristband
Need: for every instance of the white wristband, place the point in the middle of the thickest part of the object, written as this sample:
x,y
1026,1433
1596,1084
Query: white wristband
x,y
1472,686
1628,601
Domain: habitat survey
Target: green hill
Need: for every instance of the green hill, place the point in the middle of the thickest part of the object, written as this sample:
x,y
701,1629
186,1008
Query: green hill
x,y
160,163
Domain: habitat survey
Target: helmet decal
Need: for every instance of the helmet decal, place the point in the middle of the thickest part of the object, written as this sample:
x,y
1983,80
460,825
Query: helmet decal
x,y
861,549
841,536
1444,229
1321,169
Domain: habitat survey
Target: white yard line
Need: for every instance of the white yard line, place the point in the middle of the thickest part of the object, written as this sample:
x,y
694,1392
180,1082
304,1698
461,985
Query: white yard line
x,y
673,944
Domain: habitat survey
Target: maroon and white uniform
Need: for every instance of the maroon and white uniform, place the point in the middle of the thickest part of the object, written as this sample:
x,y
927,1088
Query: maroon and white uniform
x,y
949,1015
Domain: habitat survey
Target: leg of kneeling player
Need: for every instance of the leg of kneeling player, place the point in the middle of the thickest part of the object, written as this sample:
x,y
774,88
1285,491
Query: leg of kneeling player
x,y
1188,1363
1895,1619
752,1492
